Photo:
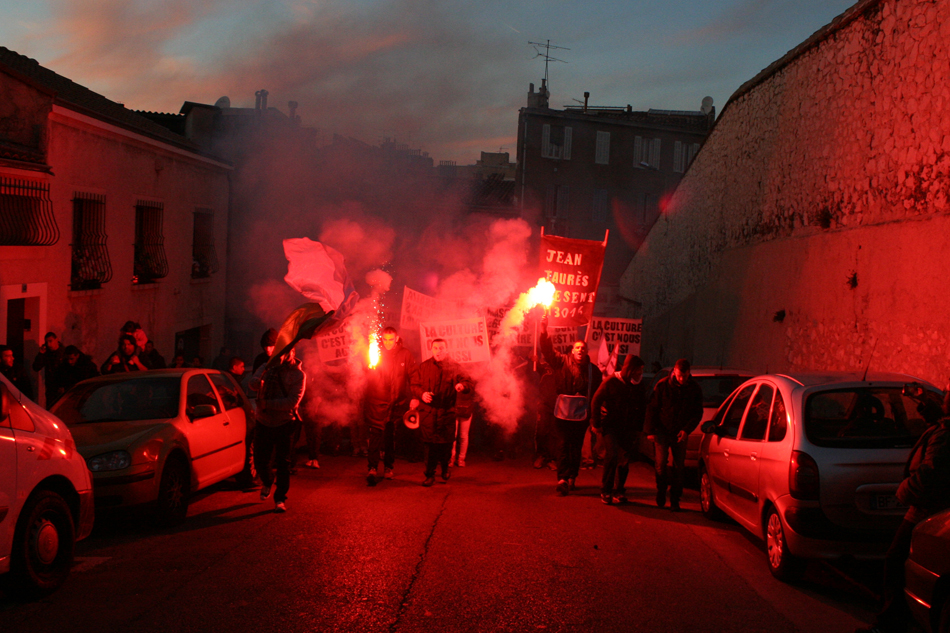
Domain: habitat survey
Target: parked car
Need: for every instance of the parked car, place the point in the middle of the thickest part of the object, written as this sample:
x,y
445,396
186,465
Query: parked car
x,y
927,574
717,383
811,463
46,501
159,436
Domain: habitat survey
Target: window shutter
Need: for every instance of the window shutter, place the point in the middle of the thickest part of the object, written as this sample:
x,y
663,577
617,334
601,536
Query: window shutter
x,y
602,152
568,133
678,157
657,144
545,141
637,151
693,150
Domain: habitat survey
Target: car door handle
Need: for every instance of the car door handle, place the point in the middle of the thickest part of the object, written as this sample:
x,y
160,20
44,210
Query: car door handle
x,y
30,449
226,423
753,456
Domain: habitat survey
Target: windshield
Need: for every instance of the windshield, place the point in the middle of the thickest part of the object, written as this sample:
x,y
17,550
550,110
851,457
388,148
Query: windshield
x,y
150,398
868,417
717,388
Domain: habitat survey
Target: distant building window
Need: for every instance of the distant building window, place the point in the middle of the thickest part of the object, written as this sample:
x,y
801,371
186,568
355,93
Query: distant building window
x,y
601,206
204,259
693,150
150,262
646,152
90,261
647,209
683,155
557,202
26,214
602,150
556,142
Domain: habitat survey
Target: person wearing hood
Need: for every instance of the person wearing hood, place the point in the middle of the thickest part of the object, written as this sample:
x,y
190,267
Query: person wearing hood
x,y
387,399
617,412
674,411
576,379
436,386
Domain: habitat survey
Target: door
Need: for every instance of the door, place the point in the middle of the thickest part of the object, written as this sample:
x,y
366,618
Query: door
x,y
744,460
230,396
209,437
721,445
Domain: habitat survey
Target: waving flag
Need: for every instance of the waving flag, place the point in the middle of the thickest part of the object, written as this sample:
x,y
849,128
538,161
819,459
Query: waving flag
x,y
318,272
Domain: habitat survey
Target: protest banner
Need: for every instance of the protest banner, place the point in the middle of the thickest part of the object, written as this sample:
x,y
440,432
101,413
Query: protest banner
x,y
574,267
623,332
467,339
337,344
562,337
417,307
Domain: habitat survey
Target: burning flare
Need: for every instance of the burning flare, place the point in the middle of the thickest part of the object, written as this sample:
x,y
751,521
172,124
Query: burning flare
x,y
541,295
373,350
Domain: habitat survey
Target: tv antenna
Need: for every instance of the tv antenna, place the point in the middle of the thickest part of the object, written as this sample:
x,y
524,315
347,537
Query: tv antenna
x,y
548,46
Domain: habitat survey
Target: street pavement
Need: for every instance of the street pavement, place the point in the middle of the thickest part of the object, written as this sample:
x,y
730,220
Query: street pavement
x,y
495,549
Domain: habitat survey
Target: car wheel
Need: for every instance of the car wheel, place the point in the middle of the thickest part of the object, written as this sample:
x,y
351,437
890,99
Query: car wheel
x,y
247,477
783,564
171,507
43,544
707,502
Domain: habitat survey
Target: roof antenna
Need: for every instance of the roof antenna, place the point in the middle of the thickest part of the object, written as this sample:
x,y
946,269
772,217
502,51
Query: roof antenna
x,y
547,46
865,376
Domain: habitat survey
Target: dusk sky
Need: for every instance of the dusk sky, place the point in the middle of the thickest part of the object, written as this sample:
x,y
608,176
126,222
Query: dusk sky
x,y
444,75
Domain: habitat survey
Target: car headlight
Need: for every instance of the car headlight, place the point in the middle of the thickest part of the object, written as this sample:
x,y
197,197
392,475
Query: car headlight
x,y
116,460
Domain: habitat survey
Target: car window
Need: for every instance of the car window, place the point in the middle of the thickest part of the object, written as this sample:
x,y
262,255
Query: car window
x,y
18,417
717,388
199,392
757,419
138,398
779,424
228,391
730,421
864,417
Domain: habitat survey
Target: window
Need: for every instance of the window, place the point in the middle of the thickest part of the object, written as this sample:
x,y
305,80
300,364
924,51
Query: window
x,y
228,391
733,417
864,417
204,260
601,206
602,151
646,152
150,263
757,420
199,392
683,155
779,425
90,263
556,142
26,214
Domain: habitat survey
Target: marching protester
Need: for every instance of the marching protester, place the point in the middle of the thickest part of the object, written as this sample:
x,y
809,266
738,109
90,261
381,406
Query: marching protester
x,y
617,413
436,385
675,409
268,341
464,410
48,360
280,391
76,367
126,358
575,381
925,491
387,399
14,372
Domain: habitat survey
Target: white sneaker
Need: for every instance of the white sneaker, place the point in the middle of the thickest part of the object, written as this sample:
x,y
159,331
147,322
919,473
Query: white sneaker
x,y
461,463
312,463
265,492
280,507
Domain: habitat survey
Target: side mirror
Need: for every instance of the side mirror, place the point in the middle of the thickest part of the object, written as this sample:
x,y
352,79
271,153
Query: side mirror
x,y
203,411
708,427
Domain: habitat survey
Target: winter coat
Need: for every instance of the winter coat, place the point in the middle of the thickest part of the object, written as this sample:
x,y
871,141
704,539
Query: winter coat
x,y
281,391
49,361
437,419
387,385
68,375
570,377
619,407
674,407
926,486
18,378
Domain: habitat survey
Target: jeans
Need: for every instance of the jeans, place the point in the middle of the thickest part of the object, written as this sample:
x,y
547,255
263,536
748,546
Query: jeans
x,y
617,463
437,454
274,440
572,439
384,439
460,446
663,449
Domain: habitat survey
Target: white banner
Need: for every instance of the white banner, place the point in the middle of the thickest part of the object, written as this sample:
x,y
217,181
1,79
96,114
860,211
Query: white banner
x,y
622,332
336,344
417,306
563,338
467,339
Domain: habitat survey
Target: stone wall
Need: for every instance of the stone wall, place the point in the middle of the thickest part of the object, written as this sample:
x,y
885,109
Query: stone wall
x,y
812,228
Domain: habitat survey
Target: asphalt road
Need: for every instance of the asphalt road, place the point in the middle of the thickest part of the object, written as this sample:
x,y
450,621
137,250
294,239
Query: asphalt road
x,y
495,549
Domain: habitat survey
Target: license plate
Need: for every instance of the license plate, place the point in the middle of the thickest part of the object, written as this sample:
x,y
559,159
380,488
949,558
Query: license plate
x,y
886,502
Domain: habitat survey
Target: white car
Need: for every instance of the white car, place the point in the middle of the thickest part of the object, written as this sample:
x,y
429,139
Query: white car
x,y
811,463
46,499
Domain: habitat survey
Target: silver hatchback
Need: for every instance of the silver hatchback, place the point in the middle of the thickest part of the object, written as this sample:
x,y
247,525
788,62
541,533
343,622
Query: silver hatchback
x,y
811,462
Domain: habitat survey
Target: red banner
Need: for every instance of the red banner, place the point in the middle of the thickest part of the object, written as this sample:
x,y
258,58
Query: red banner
x,y
573,266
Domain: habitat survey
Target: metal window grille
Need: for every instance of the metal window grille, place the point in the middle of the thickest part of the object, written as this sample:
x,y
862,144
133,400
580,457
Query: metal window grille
x,y
204,258
26,214
90,263
150,262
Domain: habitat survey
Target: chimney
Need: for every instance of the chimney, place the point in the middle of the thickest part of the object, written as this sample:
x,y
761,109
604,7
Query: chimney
x,y
586,97
257,99
292,106
263,99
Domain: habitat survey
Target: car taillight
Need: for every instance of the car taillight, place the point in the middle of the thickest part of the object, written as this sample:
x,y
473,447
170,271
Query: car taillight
x,y
803,480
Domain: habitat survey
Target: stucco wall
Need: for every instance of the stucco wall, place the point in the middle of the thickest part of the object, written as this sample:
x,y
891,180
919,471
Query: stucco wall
x,y
829,169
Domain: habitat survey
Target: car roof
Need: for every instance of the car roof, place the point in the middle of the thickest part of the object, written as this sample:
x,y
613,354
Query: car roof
x,y
704,370
130,375
815,378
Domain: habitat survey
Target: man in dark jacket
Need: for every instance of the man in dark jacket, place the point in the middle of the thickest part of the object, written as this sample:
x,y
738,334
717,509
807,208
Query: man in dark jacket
x,y
574,376
76,367
280,391
48,360
14,372
675,410
437,383
925,491
617,411
387,399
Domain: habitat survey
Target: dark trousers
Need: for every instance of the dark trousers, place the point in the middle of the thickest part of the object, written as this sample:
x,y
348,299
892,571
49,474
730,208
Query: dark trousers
x,y
572,441
616,463
276,441
895,615
544,443
664,478
382,439
437,454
